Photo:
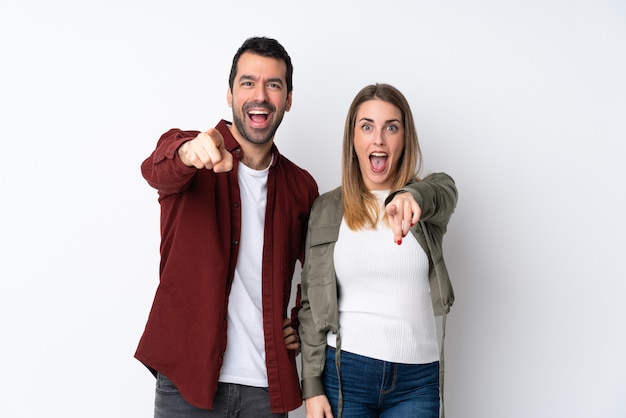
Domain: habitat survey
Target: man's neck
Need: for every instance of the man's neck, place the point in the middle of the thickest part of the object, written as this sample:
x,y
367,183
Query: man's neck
x,y
255,156
256,164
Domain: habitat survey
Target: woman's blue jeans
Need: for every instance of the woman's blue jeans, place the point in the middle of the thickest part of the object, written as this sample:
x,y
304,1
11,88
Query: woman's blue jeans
x,y
376,388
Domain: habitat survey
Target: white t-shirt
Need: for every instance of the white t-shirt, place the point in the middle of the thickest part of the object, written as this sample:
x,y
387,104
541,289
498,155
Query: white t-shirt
x,y
244,361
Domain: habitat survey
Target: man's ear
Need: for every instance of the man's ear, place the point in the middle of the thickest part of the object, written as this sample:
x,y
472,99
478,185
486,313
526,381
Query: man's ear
x,y
229,97
288,104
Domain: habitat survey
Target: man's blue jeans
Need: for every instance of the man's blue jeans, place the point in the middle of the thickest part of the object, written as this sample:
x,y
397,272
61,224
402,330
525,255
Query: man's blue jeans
x,y
375,388
231,401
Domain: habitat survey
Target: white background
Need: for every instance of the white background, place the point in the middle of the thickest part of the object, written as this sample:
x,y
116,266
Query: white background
x,y
522,102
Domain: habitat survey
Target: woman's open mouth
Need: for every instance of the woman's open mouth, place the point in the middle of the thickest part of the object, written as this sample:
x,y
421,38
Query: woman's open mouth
x,y
378,161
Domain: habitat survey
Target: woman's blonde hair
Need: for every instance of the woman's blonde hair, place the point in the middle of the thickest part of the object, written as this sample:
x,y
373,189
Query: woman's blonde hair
x,y
360,207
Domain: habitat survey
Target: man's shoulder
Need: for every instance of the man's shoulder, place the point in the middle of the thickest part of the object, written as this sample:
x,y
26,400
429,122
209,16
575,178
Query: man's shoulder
x,y
294,170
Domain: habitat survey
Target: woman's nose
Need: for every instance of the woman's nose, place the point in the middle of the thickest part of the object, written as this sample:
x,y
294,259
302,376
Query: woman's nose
x,y
378,138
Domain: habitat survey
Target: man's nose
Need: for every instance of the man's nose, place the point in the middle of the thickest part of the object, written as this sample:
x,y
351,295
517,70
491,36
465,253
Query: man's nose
x,y
260,93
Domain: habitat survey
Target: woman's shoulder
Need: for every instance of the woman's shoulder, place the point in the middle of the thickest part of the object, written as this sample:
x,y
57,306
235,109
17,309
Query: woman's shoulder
x,y
328,205
330,196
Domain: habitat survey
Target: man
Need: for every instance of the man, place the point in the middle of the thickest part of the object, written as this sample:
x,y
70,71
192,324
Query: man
x,y
234,215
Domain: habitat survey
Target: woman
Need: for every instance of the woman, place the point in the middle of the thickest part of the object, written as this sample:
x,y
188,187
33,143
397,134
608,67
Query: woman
x,y
367,324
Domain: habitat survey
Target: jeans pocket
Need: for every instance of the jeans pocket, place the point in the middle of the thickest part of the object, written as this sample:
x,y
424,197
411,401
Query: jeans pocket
x,y
165,385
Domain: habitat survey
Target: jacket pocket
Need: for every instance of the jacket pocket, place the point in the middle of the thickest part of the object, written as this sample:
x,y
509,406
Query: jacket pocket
x,y
322,287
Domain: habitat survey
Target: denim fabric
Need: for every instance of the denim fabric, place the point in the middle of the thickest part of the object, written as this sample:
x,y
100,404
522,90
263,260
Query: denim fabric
x,y
231,401
376,388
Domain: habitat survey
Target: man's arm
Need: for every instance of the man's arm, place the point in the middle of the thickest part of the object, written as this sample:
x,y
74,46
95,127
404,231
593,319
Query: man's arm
x,y
179,154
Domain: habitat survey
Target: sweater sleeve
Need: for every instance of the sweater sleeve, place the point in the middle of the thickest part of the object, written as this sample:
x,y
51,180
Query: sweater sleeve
x,y
163,170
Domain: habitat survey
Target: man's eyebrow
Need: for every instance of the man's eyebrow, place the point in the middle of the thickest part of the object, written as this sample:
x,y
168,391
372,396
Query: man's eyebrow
x,y
246,77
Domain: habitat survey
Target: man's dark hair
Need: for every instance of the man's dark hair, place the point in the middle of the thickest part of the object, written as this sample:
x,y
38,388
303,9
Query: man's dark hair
x,y
265,47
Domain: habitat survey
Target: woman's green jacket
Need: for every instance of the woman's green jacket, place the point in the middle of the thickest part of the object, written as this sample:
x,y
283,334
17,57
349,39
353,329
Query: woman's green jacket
x,y
436,195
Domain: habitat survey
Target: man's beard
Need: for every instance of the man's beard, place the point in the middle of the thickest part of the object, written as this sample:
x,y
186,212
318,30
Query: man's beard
x,y
257,136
